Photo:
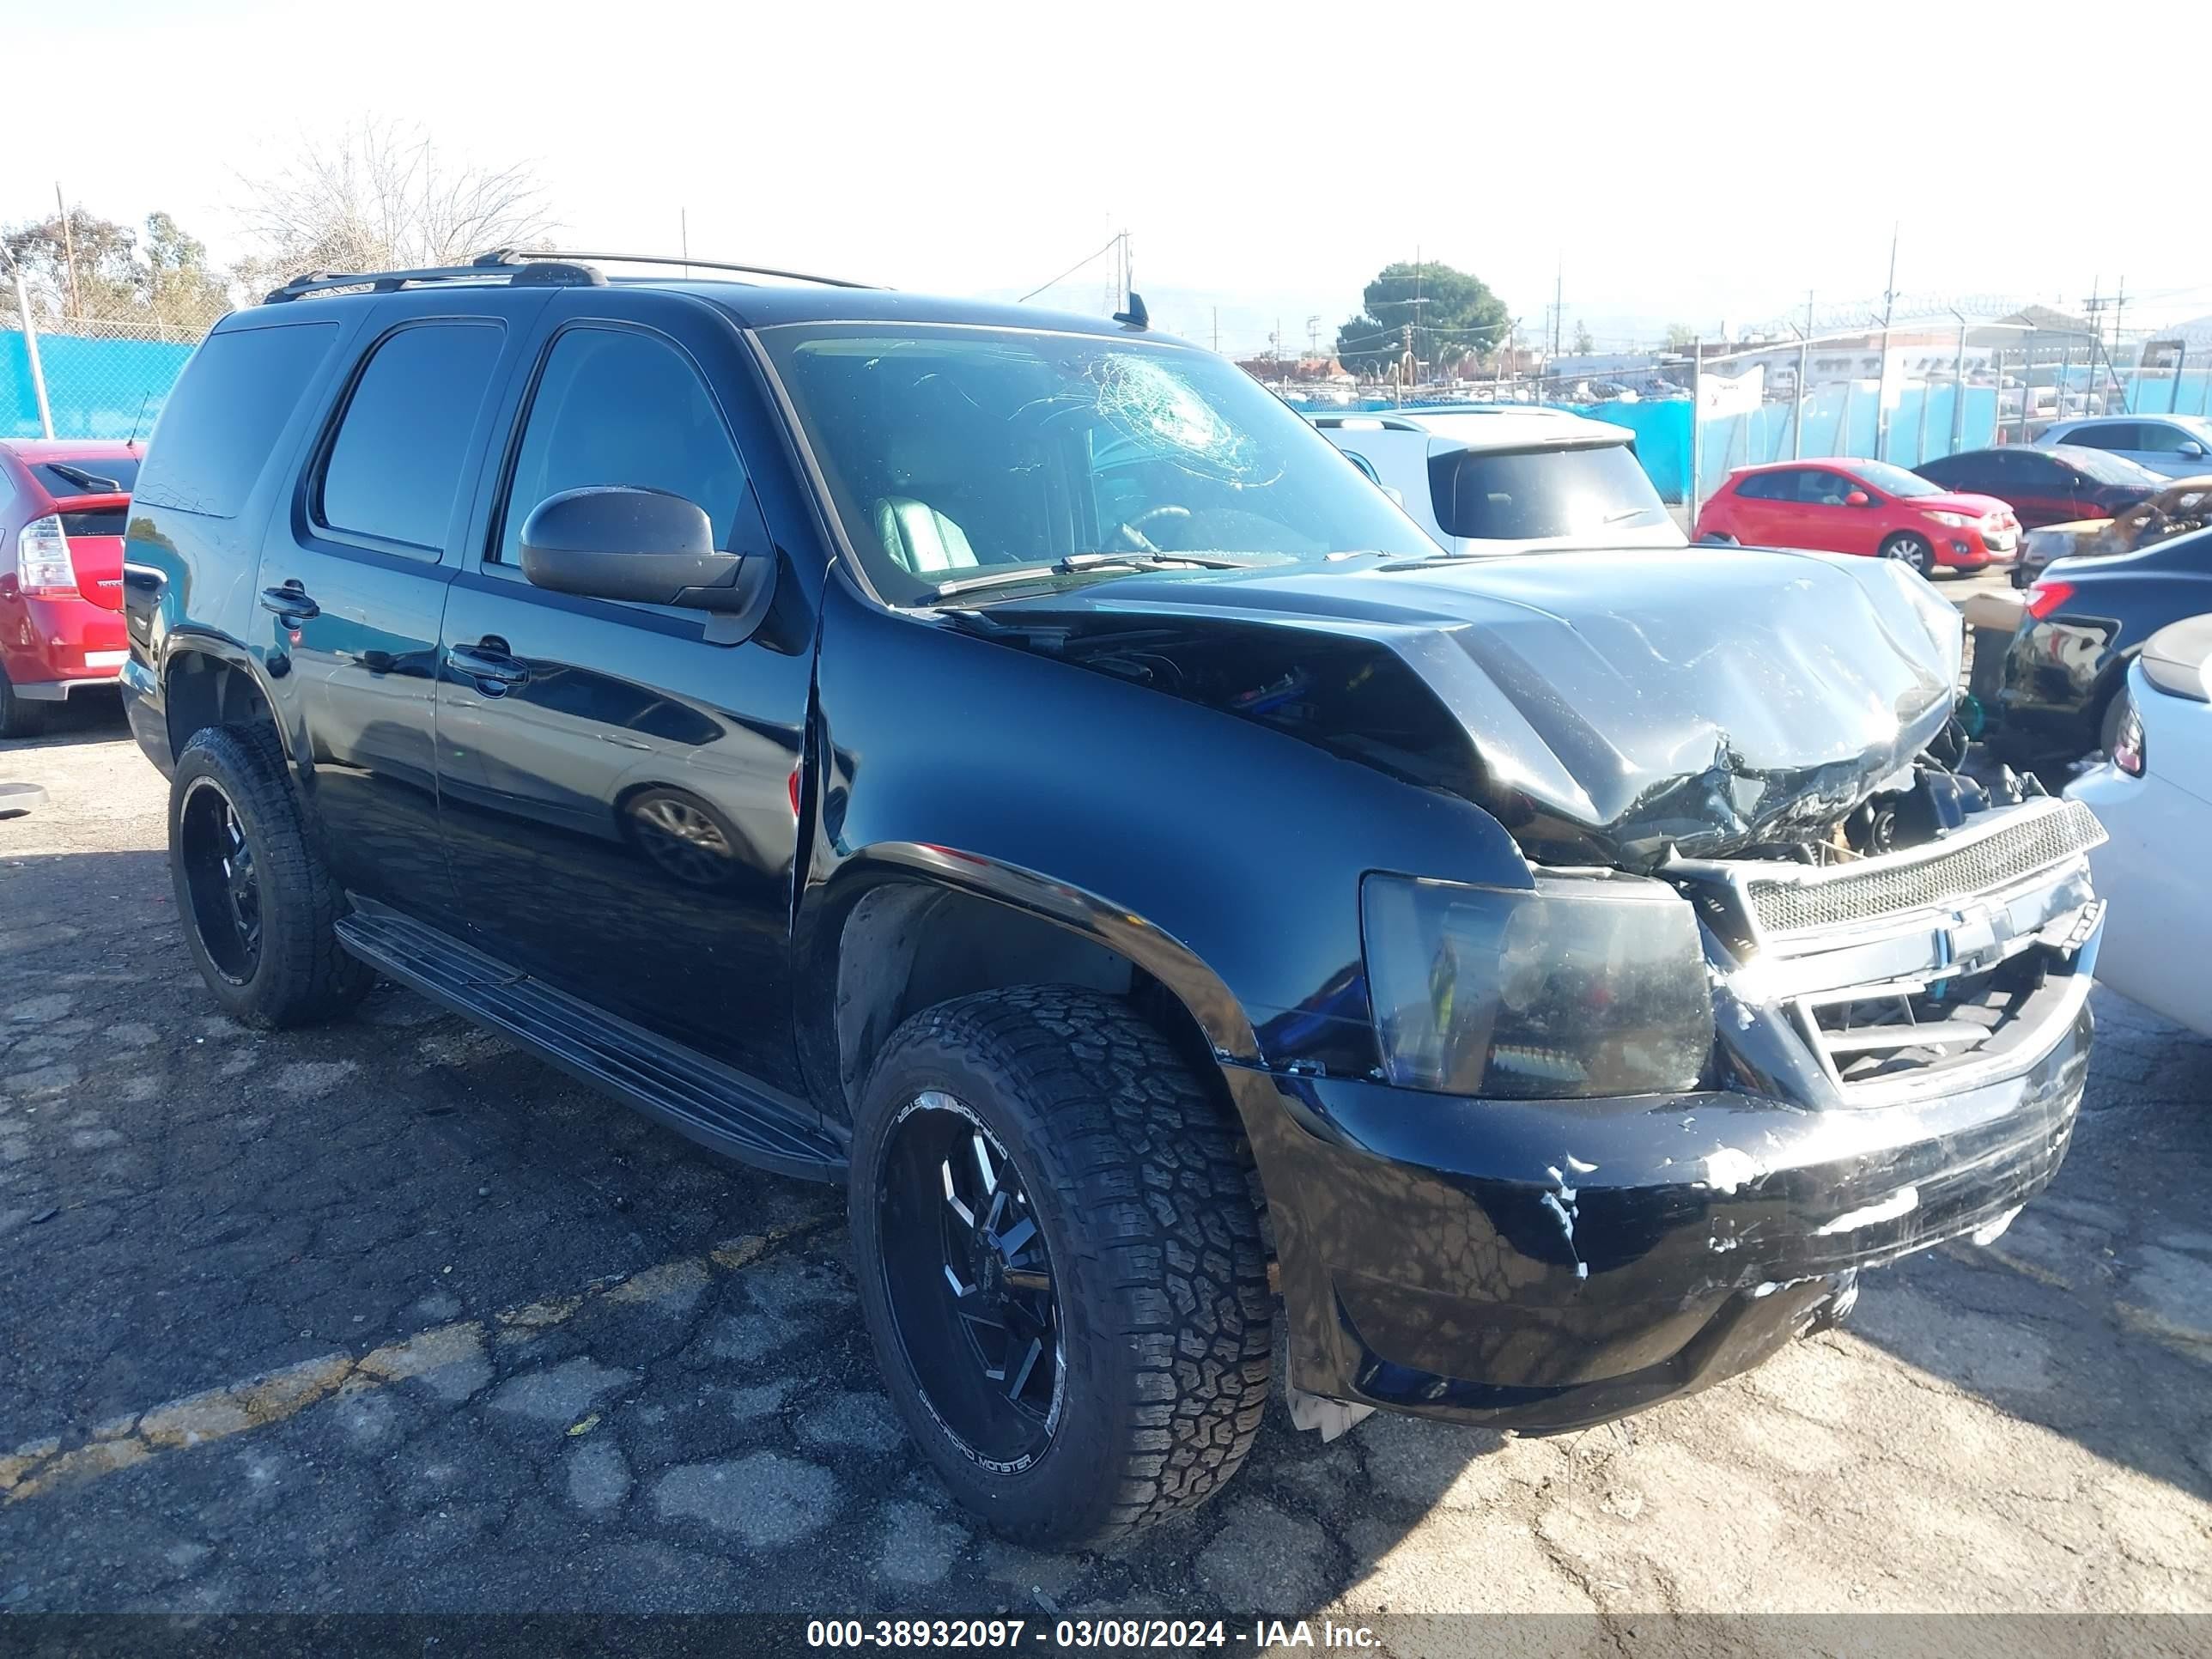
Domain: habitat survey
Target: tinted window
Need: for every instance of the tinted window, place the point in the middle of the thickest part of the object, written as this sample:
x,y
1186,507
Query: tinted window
x,y
105,474
2025,469
218,426
2109,434
616,407
1538,493
1768,487
401,444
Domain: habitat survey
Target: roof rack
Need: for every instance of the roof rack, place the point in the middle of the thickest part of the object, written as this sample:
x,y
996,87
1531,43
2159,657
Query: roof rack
x,y
502,256
532,273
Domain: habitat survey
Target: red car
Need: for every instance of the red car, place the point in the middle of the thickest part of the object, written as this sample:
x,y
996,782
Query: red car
x,y
2059,485
1859,507
63,503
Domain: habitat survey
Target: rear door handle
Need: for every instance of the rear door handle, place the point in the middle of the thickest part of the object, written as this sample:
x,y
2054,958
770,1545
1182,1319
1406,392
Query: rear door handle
x,y
489,664
291,602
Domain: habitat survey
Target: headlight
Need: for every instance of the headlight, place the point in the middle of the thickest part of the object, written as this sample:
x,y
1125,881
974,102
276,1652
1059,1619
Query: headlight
x,y
1585,986
1956,520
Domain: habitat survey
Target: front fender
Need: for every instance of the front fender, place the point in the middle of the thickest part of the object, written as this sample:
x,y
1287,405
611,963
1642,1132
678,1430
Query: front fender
x,y
1223,856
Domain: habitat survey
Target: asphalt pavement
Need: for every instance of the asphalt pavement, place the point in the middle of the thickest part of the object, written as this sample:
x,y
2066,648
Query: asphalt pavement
x,y
387,1316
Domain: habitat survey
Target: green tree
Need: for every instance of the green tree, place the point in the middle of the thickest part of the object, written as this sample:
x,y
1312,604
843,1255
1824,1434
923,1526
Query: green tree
x,y
94,269
1584,344
182,289
1681,337
1454,318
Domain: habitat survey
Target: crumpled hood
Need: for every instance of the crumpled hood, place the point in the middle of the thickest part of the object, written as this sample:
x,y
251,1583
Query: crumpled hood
x,y
1605,707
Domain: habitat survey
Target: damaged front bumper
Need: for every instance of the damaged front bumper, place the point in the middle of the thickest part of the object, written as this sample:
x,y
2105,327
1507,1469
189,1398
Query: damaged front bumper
x,y
1901,1050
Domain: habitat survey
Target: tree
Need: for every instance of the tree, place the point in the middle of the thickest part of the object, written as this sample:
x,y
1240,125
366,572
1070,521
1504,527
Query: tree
x,y
382,197
1584,344
1681,337
94,269
1454,317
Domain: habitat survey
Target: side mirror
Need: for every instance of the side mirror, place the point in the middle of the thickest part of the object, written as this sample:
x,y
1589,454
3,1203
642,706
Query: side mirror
x,y
2194,450
1857,498
1394,494
618,541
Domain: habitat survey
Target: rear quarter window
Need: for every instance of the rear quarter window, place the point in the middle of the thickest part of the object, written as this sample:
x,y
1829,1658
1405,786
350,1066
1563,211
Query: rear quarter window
x,y
218,426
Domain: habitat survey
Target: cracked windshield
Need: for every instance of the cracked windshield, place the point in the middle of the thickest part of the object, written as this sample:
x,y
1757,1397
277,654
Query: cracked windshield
x,y
957,455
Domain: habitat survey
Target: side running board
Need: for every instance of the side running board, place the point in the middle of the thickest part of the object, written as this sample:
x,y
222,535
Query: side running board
x,y
716,1105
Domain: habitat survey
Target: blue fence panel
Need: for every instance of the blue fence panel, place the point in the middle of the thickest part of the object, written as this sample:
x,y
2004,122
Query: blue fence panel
x,y
1662,440
95,388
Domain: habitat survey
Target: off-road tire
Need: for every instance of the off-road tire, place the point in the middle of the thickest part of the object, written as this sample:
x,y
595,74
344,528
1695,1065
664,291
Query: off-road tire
x,y
1139,1179
301,977
1914,552
19,716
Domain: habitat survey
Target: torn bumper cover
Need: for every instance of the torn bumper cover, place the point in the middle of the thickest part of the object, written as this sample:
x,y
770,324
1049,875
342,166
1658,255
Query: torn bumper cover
x,y
1544,1265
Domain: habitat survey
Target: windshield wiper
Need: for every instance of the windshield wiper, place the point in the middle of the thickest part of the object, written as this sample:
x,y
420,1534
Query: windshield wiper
x,y
1079,564
89,481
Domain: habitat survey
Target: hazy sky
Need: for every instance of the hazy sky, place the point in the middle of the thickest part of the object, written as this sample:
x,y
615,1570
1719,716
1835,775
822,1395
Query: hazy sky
x,y
1680,162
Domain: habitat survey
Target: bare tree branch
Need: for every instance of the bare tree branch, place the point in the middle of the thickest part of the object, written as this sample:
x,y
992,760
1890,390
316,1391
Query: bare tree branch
x,y
381,195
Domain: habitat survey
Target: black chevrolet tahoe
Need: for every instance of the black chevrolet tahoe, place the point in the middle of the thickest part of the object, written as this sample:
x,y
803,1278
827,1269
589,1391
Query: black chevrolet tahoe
x,y
1009,764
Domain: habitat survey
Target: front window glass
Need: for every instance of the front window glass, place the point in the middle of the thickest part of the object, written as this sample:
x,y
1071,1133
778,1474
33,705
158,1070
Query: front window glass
x,y
1895,480
1537,493
954,452
615,406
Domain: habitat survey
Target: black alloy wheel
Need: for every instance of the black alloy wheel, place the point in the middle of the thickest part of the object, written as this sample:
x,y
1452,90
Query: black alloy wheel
x,y
971,1284
220,874
258,906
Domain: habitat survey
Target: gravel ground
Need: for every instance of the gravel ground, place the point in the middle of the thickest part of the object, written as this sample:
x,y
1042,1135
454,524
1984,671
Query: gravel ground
x,y
389,1316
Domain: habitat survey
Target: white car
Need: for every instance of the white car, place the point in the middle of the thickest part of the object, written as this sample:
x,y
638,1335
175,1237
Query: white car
x,y
2152,793
1489,479
2175,445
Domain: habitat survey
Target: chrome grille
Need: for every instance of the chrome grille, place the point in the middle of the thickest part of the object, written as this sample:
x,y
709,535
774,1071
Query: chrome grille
x,y
1855,894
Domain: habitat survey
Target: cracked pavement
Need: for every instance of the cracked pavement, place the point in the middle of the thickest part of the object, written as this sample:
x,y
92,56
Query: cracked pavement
x,y
387,1316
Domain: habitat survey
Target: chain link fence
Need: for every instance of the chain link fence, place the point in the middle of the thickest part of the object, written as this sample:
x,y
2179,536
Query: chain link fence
x,y
87,377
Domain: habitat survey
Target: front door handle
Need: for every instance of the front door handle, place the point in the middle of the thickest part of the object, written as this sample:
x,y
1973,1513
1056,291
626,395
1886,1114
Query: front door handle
x,y
291,602
489,662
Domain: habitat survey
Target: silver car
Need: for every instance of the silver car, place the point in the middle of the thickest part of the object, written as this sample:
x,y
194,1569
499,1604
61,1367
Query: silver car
x,y
2174,445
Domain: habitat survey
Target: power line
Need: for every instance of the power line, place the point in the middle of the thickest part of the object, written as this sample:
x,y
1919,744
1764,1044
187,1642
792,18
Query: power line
x,y
1110,242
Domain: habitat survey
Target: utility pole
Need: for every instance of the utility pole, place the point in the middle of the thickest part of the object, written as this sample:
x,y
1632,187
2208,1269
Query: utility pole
x,y
69,249
1559,303
1313,336
2119,311
1217,331
1882,394
1804,365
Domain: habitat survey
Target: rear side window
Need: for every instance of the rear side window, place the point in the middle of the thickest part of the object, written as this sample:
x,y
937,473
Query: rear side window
x,y
1533,494
395,464
2114,435
1767,487
220,423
